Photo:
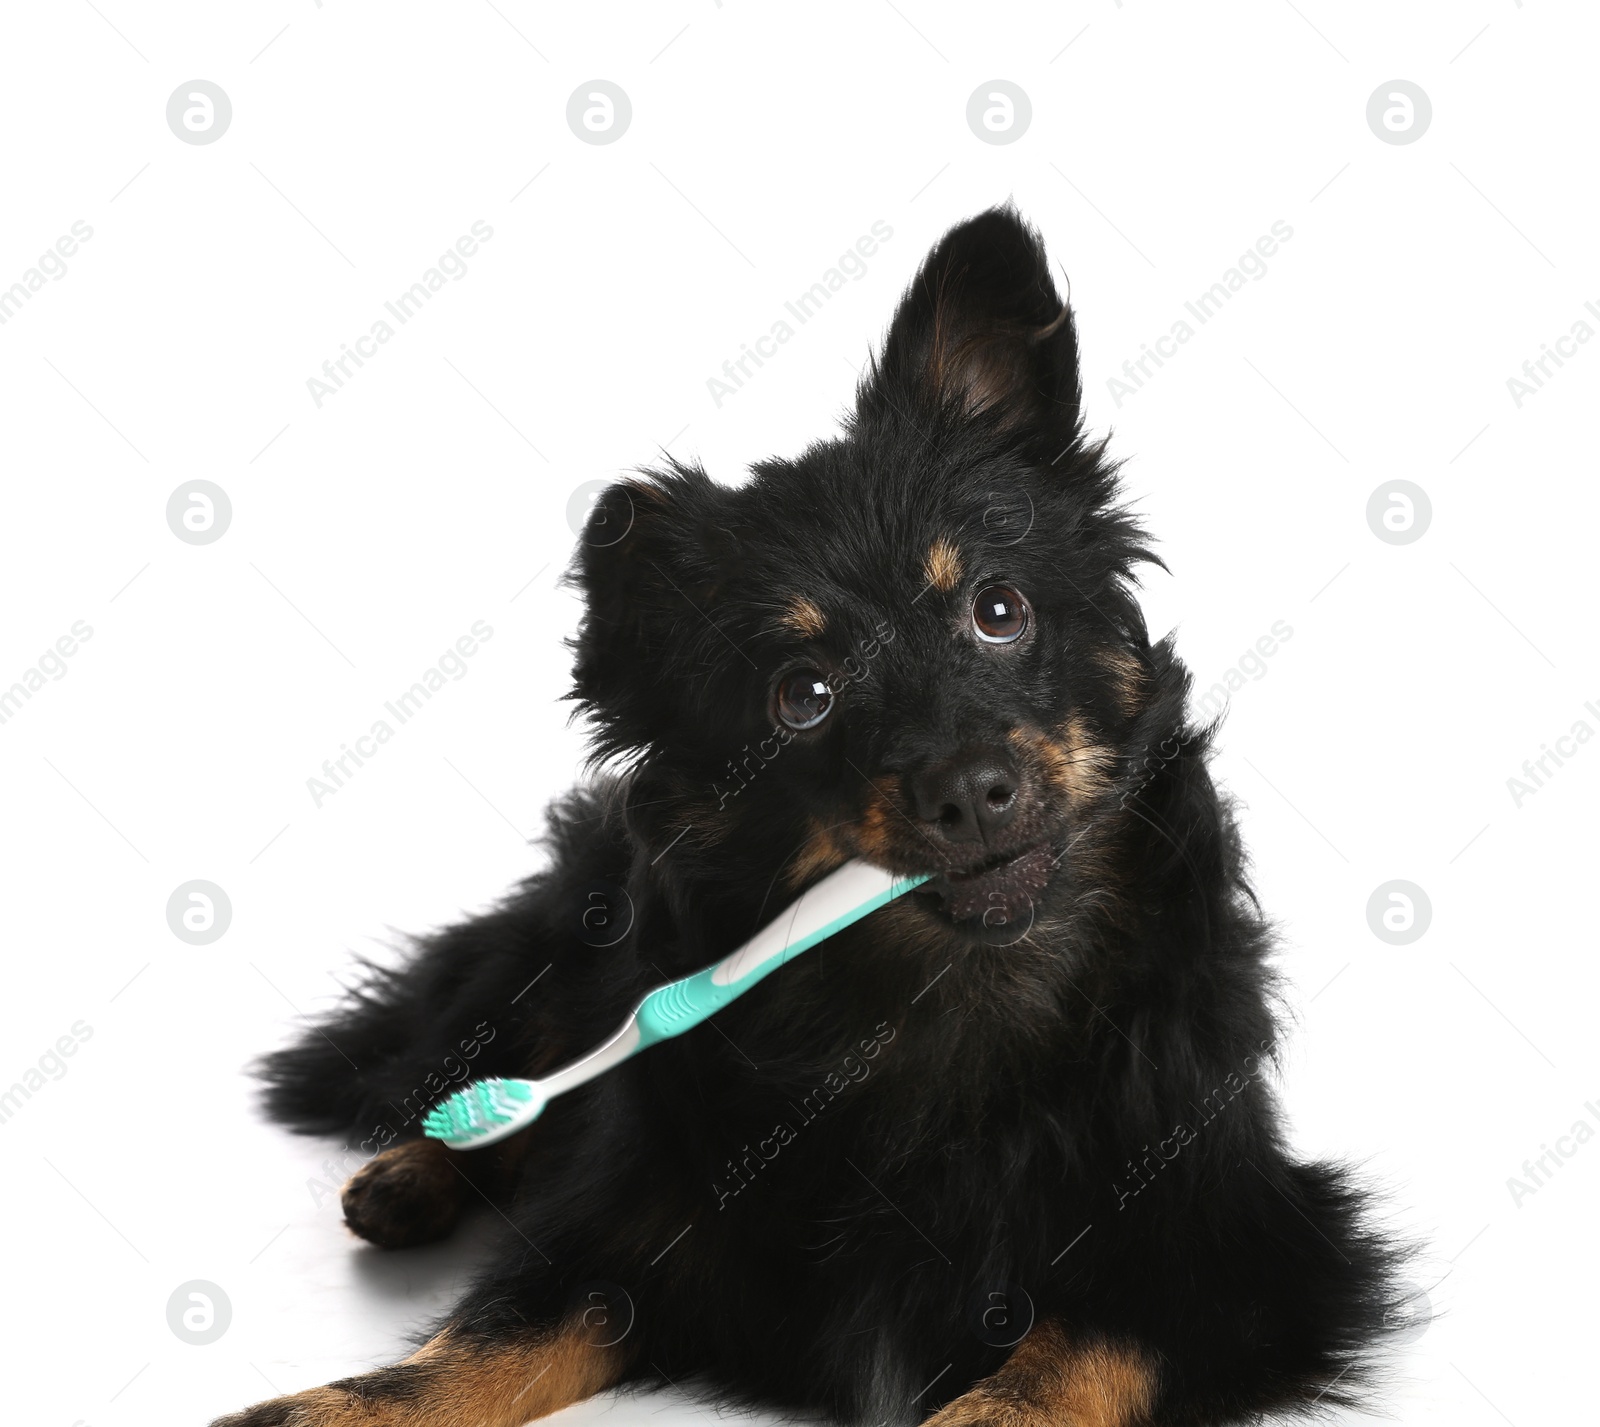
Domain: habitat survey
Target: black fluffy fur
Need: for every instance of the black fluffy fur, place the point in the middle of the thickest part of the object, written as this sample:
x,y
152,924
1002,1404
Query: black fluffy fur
x,y
1015,1131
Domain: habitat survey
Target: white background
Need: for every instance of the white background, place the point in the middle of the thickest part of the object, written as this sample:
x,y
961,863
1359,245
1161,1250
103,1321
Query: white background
x,y
432,490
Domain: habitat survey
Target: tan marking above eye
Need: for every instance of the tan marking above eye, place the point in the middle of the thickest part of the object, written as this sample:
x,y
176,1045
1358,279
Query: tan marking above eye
x,y
943,565
802,617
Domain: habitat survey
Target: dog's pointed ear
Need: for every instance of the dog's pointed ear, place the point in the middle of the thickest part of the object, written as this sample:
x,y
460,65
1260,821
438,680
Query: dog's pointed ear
x,y
982,329
652,557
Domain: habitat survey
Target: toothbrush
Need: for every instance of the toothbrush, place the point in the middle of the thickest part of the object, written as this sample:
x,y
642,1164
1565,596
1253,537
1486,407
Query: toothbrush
x,y
489,1110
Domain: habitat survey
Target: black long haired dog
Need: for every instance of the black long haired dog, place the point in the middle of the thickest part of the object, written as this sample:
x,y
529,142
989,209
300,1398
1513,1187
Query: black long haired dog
x,y
1004,1151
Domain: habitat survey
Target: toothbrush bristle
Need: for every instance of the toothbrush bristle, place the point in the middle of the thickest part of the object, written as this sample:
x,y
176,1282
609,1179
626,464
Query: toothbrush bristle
x,y
476,1109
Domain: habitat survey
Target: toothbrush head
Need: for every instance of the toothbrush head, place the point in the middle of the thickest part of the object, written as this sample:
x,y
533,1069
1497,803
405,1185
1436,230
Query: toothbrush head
x,y
483,1112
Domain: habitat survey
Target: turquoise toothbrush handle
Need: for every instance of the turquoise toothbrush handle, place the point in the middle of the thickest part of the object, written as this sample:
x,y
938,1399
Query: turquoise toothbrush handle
x,y
681,1005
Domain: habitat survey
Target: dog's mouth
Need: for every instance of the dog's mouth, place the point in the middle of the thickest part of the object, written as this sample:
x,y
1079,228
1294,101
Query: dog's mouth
x,y
998,894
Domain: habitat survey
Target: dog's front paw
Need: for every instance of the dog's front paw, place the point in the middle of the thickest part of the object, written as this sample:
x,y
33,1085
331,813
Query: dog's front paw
x,y
350,1403
320,1407
971,1409
407,1195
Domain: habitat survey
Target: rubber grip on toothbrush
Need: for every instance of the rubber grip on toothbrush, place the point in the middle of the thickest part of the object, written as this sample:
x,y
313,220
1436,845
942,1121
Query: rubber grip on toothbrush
x,y
681,1005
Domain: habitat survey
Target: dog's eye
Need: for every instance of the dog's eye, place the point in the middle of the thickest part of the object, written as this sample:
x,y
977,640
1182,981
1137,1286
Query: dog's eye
x,y
999,614
803,698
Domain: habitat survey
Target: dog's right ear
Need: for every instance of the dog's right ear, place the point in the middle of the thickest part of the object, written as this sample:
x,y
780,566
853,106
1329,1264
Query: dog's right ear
x,y
981,329
650,562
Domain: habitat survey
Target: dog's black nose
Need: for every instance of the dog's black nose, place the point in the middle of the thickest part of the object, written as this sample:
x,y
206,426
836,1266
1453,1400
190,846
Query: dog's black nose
x,y
970,797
